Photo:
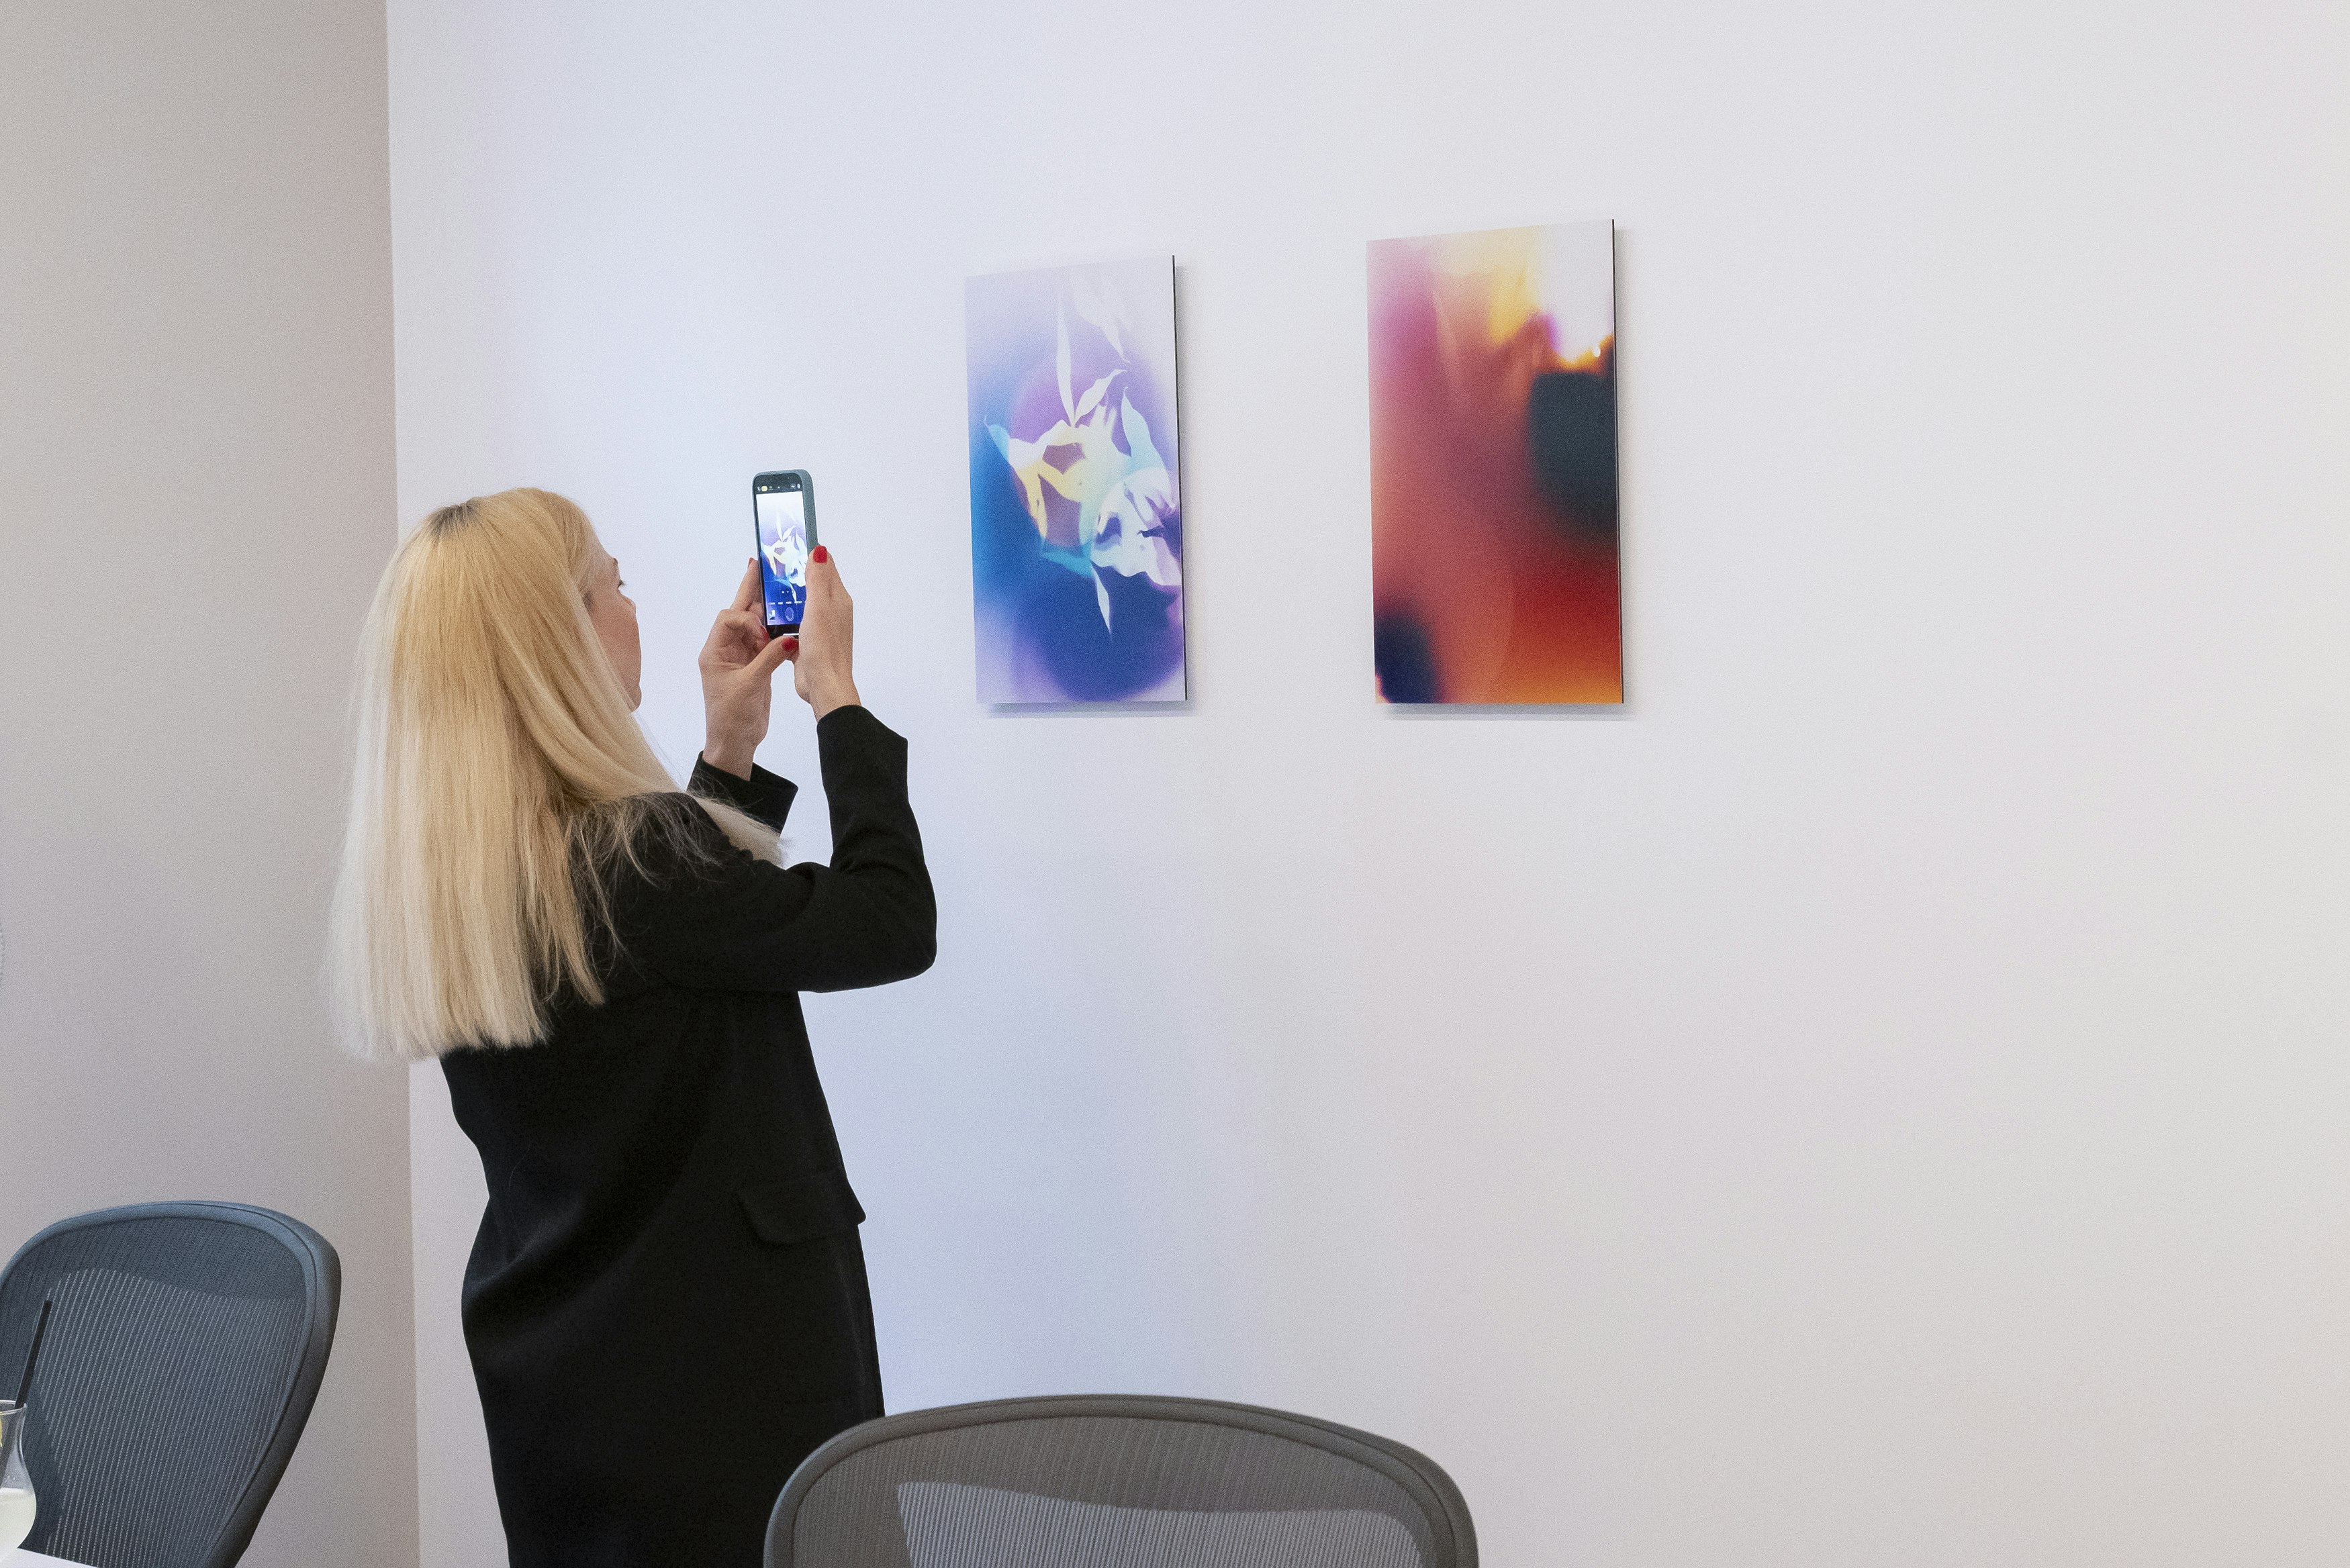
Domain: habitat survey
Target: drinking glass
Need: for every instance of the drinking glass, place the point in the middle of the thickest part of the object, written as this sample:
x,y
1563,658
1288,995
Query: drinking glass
x,y
15,1481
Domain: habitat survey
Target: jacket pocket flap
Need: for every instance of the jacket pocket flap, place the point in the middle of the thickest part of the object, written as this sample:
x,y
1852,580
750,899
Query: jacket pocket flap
x,y
801,1207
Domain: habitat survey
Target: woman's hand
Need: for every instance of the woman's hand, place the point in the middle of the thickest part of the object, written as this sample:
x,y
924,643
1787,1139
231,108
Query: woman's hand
x,y
738,671
821,660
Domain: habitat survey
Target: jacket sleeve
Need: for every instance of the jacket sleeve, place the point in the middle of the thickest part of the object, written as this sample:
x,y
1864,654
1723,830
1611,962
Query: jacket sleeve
x,y
763,797
724,920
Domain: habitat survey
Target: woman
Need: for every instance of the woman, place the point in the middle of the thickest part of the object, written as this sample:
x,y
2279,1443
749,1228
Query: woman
x,y
666,1304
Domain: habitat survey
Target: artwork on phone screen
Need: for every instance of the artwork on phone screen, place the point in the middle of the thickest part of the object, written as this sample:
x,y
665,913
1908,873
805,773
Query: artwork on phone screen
x,y
782,541
1494,566
1076,515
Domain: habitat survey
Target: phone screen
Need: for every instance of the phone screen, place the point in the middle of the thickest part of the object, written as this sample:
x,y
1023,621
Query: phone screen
x,y
780,500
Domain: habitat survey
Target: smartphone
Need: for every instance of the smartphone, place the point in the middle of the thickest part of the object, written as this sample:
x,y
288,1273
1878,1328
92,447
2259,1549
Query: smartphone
x,y
783,508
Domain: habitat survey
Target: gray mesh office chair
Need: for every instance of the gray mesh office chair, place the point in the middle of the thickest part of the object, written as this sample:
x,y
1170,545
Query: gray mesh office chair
x,y
1116,1481
184,1352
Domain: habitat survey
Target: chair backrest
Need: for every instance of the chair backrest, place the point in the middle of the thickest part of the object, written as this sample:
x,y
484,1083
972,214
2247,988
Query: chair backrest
x,y
183,1356
1117,1481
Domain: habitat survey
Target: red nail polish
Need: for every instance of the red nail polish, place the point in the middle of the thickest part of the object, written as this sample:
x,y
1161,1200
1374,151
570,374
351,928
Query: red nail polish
x,y
793,643
822,554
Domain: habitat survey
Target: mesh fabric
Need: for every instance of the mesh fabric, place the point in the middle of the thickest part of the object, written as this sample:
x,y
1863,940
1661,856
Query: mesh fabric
x,y
172,1350
1099,1491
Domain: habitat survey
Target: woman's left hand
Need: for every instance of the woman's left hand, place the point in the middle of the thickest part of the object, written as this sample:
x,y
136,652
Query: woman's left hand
x,y
738,671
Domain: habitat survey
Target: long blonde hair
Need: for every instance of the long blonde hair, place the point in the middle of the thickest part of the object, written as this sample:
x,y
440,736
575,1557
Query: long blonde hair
x,y
499,774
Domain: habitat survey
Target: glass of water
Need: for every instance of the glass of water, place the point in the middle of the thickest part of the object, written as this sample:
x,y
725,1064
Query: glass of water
x,y
15,1481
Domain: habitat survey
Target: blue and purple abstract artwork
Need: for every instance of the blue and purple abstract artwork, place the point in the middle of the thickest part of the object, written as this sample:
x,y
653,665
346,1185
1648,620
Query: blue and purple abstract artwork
x,y
1076,515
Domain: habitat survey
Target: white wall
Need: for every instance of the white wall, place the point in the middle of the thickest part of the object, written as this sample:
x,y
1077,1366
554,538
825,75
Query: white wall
x,y
1880,1099
195,498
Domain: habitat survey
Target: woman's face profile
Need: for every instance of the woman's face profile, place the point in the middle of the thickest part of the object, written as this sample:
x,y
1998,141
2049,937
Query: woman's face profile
x,y
614,615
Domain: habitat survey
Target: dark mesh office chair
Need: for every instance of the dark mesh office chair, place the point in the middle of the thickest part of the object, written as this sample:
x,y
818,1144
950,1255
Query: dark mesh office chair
x,y
1116,1481
184,1352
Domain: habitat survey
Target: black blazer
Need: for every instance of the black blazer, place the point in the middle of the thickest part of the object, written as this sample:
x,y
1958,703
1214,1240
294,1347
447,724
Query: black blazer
x,y
666,1304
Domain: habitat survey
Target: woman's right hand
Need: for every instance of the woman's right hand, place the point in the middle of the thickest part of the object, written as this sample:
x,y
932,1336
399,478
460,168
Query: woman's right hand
x,y
822,669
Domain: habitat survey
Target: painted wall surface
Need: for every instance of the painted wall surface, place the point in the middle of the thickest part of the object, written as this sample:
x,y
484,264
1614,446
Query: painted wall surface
x,y
1879,1098
195,498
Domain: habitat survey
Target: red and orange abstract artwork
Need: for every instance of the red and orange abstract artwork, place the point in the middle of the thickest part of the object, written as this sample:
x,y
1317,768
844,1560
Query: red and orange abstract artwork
x,y
1494,565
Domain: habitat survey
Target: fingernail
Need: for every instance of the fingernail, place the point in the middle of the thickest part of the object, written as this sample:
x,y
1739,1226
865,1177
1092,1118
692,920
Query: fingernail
x,y
822,554
793,643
